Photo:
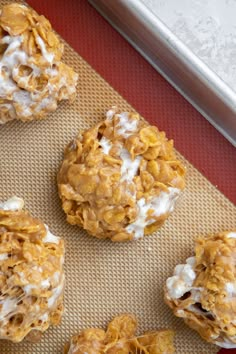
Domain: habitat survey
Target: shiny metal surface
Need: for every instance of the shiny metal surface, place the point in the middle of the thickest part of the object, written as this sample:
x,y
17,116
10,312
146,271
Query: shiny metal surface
x,y
185,70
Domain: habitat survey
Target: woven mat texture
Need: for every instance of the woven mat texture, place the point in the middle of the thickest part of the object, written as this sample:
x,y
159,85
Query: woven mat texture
x,y
104,279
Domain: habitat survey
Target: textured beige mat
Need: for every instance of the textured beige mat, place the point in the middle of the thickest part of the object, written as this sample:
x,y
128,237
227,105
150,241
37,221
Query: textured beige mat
x,y
104,279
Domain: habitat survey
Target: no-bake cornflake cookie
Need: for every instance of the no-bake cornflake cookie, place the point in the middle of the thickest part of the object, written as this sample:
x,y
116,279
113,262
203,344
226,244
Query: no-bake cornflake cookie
x,y
120,338
120,179
203,291
33,79
31,274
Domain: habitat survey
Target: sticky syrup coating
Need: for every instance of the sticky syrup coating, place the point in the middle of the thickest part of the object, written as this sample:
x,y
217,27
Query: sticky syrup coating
x,y
120,338
31,274
33,78
203,291
120,179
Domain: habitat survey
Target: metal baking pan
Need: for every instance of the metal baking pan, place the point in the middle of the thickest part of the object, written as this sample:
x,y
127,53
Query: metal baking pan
x,y
192,43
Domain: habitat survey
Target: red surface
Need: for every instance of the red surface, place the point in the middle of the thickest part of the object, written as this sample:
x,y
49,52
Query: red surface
x,y
113,58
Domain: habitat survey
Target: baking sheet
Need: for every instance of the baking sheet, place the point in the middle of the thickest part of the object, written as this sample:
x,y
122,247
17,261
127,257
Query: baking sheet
x,y
104,279
191,45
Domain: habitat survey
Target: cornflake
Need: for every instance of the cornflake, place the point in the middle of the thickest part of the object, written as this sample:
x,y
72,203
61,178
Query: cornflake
x,y
120,179
203,291
120,338
33,79
31,274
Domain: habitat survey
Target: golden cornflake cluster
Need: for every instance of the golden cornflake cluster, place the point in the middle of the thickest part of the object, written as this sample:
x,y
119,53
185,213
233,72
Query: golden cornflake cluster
x,y
203,291
31,274
32,77
120,179
120,338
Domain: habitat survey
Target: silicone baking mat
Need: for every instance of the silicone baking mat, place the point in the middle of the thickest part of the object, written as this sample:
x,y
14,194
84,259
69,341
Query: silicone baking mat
x,y
104,279
135,79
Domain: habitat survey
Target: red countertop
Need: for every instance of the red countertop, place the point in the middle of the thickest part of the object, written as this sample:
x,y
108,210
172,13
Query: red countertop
x,y
151,95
